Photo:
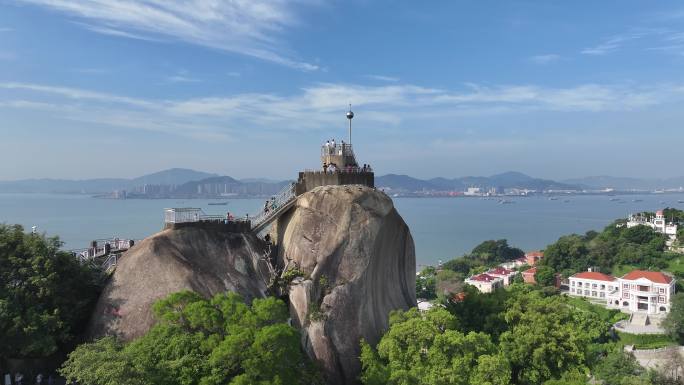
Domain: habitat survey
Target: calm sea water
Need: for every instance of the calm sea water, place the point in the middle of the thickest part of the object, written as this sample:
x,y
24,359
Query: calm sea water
x,y
442,228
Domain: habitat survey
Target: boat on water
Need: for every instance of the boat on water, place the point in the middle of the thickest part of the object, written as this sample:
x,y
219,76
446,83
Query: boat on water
x,y
614,199
217,203
505,201
553,199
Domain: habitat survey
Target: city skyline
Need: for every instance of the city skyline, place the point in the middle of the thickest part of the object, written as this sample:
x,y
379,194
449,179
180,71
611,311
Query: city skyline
x,y
554,90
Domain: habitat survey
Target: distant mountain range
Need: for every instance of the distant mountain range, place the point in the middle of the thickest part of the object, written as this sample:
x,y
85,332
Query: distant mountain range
x,y
190,183
174,176
505,180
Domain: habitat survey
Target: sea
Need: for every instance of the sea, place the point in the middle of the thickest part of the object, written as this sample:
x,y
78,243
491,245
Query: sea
x,y
442,228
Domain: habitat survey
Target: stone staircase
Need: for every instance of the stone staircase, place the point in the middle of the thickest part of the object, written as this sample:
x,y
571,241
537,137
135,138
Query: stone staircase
x,y
639,319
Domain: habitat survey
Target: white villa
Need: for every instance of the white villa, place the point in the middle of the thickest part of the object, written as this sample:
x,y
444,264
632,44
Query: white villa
x,y
658,223
506,274
485,283
637,291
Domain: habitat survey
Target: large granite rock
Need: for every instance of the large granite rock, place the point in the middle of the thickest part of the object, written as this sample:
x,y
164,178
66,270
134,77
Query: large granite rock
x,y
357,260
205,260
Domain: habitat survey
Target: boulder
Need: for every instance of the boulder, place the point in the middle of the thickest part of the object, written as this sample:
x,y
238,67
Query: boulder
x,y
205,260
356,262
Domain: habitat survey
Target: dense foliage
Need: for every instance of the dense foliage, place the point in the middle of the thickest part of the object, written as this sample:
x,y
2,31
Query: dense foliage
x,y
674,321
486,254
639,246
46,295
198,341
523,337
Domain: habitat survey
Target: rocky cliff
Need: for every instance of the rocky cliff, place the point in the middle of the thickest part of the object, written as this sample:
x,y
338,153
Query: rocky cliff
x,y
207,261
356,261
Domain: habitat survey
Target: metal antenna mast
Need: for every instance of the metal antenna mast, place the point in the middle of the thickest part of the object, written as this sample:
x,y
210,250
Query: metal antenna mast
x,y
350,116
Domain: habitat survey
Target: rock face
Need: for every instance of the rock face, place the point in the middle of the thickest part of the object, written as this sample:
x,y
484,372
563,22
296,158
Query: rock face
x,y
357,260
207,261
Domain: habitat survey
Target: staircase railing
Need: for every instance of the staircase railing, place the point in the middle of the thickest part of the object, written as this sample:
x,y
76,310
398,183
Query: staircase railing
x,y
274,205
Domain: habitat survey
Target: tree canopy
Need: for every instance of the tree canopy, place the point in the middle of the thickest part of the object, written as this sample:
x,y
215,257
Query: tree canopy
x,y
46,295
199,341
517,336
638,246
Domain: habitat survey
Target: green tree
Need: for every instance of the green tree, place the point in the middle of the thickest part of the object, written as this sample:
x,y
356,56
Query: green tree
x,y
426,284
547,338
569,252
424,348
497,251
545,276
198,341
674,321
617,367
46,295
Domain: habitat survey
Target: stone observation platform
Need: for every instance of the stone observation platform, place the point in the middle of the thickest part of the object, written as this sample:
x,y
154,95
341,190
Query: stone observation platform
x,y
338,167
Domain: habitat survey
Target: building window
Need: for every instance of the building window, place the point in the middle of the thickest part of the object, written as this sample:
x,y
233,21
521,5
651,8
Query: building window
x,y
625,295
573,283
603,287
593,286
661,299
625,303
586,292
663,308
602,295
626,286
661,290
593,293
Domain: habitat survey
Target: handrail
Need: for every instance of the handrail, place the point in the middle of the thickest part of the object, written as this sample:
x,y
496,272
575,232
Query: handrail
x,y
285,196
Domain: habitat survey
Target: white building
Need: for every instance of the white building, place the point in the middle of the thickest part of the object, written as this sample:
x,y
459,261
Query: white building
x,y
657,223
592,284
637,291
503,273
485,283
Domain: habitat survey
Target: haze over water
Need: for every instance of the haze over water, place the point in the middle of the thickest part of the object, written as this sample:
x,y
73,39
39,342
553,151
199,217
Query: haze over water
x,y
442,228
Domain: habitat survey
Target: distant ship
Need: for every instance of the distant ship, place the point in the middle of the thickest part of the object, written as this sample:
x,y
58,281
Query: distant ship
x,y
505,201
217,203
614,199
553,199
680,201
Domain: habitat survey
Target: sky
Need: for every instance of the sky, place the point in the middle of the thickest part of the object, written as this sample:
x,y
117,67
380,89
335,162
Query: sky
x,y
252,88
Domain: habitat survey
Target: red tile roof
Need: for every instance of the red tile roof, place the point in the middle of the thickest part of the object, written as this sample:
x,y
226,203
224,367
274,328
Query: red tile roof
x,y
595,275
653,276
534,254
530,271
482,278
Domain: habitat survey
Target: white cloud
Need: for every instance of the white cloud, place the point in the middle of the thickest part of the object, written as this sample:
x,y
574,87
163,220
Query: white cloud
x,y
321,105
616,42
389,79
544,59
248,27
182,77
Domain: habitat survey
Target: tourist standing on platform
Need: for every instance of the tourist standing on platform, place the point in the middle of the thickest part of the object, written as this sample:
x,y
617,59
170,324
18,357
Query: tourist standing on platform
x,y
325,168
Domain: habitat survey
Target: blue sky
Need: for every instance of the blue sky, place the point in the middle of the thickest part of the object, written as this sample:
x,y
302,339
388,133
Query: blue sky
x,y
250,88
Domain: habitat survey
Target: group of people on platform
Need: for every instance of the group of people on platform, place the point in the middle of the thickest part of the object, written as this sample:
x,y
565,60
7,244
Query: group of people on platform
x,y
332,168
330,147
